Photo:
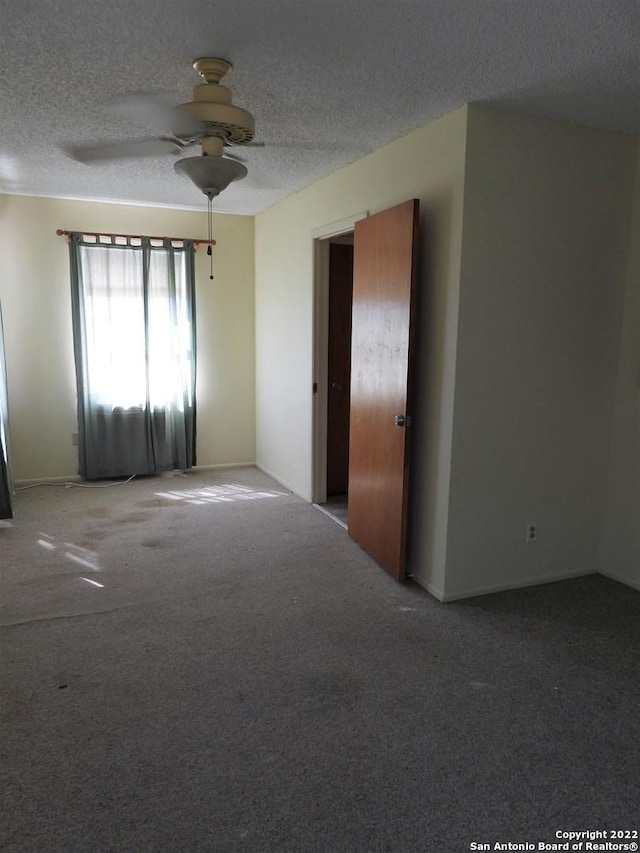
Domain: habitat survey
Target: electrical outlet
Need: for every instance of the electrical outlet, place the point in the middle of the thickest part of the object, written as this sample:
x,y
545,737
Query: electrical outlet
x,y
532,531
74,439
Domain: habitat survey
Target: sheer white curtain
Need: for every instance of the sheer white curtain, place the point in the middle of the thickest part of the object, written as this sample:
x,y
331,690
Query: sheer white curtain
x,y
134,334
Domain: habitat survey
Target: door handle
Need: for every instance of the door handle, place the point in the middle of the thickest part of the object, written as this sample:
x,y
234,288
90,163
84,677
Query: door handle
x,y
337,386
399,420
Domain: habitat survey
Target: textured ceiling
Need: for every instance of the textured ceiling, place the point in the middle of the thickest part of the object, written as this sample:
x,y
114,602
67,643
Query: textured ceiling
x,y
327,80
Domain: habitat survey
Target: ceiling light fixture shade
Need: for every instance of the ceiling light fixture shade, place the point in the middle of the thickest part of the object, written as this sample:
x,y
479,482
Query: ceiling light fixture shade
x,y
210,174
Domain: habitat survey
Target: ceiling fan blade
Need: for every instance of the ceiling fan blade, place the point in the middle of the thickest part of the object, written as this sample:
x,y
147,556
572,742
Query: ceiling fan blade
x,y
255,143
301,146
153,111
236,157
149,147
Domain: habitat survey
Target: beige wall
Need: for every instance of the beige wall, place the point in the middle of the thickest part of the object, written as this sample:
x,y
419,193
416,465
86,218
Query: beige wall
x,y
620,555
35,295
524,262
427,164
546,227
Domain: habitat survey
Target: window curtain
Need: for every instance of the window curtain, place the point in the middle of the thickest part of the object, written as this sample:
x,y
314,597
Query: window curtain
x,y
6,484
133,309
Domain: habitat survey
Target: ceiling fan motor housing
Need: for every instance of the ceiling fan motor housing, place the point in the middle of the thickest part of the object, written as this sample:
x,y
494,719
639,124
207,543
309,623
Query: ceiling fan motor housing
x,y
212,107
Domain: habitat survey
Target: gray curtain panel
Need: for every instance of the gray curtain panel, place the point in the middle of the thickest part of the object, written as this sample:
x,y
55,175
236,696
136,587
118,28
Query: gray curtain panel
x,y
133,305
5,464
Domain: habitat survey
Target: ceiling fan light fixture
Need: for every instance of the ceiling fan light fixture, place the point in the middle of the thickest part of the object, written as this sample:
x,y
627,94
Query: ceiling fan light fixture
x,y
211,175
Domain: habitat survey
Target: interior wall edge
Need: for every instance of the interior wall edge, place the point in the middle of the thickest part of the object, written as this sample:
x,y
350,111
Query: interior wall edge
x,y
536,346
431,588
619,548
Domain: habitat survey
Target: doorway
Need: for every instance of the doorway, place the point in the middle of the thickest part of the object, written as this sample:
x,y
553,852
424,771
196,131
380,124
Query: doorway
x,y
333,259
339,374
367,320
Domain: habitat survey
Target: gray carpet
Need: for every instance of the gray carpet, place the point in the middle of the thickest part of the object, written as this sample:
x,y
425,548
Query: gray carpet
x,y
245,678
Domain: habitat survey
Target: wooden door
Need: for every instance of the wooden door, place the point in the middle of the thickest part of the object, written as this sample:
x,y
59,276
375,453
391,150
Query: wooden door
x,y
384,283
339,367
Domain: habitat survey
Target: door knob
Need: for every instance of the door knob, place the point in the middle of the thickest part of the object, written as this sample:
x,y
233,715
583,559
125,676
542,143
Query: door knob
x,y
337,386
399,420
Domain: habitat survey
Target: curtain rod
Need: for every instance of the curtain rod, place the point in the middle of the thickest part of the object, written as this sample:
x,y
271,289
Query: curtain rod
x,y
61,232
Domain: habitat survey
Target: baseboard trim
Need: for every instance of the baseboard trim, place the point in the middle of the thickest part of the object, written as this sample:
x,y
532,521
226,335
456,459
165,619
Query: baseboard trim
x,y
620,579
47,481
223,466
504,587
76,478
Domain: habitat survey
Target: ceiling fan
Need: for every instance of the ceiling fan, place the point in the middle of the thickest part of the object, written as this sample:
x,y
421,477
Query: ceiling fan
x,y
210,120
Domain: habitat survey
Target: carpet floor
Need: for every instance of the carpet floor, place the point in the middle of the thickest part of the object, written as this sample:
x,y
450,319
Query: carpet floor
x,y
208,663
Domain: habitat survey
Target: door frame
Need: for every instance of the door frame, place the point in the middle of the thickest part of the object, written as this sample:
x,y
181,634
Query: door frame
x,y
321,238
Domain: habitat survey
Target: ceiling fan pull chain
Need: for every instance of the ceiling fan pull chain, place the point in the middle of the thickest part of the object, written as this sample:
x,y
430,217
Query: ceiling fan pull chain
x,y
210,232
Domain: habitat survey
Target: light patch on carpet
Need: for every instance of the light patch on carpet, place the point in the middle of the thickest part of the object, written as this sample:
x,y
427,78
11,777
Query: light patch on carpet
x,y
81,561
74,553
218,494
94,583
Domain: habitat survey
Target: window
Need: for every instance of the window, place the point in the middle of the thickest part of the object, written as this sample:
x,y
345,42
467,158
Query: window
x,y
134,335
